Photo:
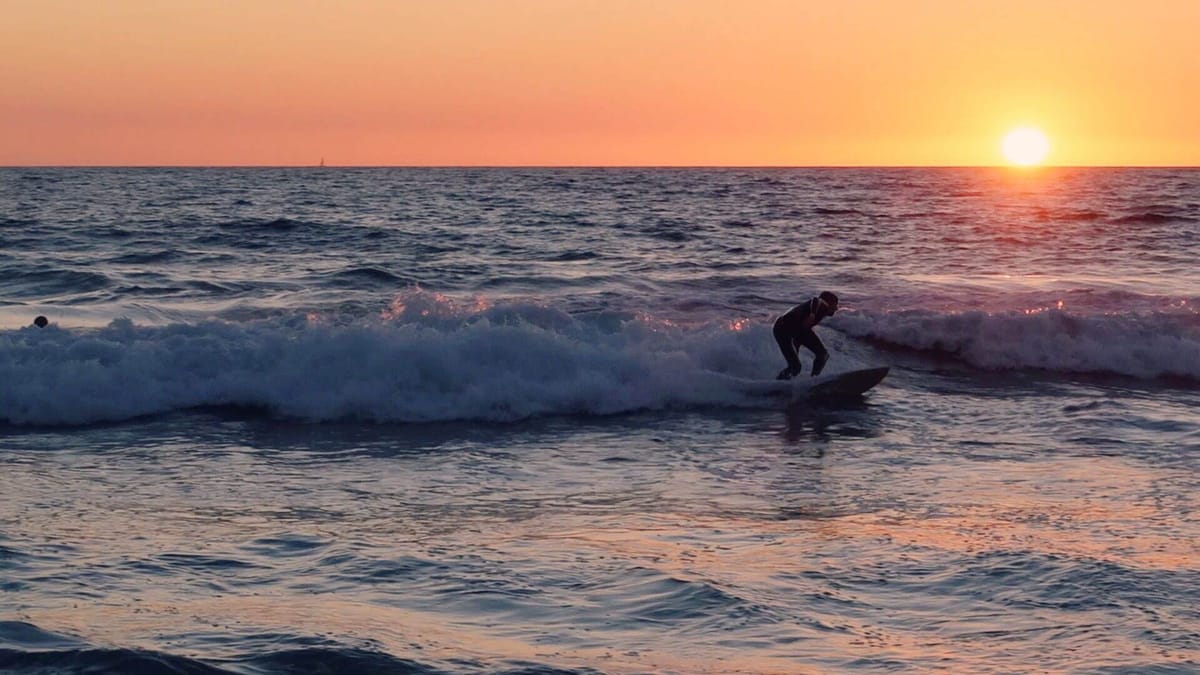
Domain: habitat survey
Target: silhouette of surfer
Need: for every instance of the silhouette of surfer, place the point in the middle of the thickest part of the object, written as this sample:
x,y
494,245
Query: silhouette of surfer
x,y
40,322
795,328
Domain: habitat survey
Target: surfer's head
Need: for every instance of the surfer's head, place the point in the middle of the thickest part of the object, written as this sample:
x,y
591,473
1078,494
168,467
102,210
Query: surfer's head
x,y
829,300
40,322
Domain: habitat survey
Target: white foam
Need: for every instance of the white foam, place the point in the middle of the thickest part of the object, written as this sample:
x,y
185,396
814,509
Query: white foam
x,y
497,364
1144,345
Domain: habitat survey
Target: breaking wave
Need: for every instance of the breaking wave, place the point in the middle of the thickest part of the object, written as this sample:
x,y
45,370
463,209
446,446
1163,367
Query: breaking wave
x,y
423,360
1146,345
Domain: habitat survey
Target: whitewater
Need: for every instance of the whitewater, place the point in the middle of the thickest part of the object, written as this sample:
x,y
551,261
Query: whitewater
x,y
486,420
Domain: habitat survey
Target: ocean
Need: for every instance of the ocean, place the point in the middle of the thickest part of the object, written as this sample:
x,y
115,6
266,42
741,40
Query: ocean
x,y
464,420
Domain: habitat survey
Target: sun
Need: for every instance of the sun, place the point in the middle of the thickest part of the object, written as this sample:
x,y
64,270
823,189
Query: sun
x,y
1025,146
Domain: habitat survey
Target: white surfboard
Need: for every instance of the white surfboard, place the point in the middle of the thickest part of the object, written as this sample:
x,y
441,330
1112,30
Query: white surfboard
x,y
833,386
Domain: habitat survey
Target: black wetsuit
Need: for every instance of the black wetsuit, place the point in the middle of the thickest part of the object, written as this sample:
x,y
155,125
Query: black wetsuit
x,y
790,332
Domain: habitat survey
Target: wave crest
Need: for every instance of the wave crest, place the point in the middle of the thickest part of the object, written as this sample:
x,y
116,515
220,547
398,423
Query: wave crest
x,y
1144,345
499,363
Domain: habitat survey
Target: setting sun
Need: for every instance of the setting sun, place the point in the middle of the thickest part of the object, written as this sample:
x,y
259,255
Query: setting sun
x,y
1025,146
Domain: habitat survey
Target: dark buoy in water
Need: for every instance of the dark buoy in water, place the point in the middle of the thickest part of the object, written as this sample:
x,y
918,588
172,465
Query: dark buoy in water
x,y
40,322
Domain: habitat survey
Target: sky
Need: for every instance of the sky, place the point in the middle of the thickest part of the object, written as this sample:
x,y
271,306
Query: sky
x,y
596,82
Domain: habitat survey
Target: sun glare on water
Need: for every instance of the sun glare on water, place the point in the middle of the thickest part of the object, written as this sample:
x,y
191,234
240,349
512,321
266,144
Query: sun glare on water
x,y
1025,146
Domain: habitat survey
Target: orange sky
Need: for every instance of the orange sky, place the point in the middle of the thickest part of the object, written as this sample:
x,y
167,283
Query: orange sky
x,y
596,82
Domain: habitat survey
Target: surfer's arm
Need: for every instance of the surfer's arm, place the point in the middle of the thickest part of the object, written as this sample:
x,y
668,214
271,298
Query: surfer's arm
x,y
814,313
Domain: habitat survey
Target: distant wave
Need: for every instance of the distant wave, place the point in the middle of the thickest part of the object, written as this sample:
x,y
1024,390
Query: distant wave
x,y
366,276
276,225
668,232
1144,345
259,234
828,211
28,649
146,257
574,256
50,281
1154,218
1068,215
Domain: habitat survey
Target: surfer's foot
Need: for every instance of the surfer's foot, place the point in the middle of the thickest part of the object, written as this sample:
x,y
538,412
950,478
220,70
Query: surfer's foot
x,y
787,374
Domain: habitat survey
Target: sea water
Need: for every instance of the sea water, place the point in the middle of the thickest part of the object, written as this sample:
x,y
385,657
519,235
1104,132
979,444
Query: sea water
x,y
481,420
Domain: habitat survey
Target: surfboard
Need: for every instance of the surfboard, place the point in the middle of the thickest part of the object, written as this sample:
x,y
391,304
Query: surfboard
x,y
835,386
853,383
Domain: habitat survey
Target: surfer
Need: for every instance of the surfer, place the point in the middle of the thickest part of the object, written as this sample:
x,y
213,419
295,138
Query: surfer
x,y
795,328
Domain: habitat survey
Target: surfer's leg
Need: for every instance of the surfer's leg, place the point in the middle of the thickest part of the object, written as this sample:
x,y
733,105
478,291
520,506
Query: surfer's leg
x,y
789,354
820,355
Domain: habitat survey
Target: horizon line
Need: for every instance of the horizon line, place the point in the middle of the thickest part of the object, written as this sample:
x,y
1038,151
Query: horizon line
x,y
600,166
